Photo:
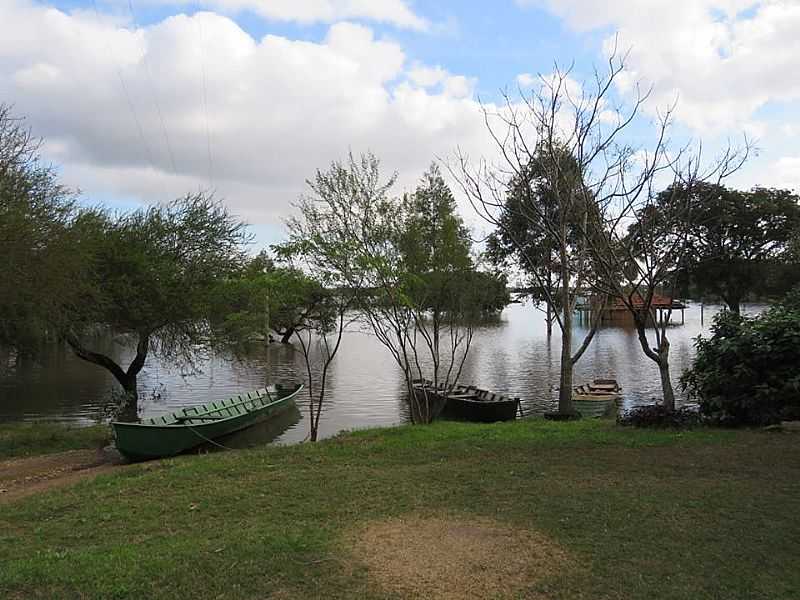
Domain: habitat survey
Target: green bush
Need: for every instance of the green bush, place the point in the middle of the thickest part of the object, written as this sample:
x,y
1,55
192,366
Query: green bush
x,y
748,371
657,416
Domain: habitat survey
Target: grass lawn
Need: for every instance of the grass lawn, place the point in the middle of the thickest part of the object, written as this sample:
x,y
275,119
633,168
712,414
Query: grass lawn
x,y
638,514
29,439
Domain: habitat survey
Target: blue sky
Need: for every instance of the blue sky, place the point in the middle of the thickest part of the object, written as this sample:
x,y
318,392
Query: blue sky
x,y
252,96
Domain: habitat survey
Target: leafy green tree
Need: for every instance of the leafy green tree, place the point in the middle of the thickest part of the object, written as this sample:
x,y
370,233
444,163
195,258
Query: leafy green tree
x,y
42,266
265,299
156,271
405,261
438,277
527,234
738,241
746,372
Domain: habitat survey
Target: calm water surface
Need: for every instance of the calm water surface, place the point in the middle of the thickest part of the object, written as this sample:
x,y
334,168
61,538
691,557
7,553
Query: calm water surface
x,y
512,355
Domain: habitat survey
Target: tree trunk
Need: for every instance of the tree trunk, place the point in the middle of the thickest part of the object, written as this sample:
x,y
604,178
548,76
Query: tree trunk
x,y
549,320
666,382
565,384
129,412
734,305
312,436
660,356
127,379
286,336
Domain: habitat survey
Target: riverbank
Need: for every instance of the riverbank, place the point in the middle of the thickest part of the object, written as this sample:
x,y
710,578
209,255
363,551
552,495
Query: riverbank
x,y
529,509
35,439
38,457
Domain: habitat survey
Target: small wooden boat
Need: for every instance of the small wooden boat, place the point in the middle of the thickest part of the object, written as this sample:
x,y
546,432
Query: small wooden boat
x,y
193,426
595,399
469,403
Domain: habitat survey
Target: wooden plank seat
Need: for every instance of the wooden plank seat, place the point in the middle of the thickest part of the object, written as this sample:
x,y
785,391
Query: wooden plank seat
x,y
223,411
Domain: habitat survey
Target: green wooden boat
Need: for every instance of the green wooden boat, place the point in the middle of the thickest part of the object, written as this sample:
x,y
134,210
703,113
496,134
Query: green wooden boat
x,y
193,426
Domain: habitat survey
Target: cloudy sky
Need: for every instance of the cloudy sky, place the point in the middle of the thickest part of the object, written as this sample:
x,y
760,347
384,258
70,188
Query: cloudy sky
x,y
144,100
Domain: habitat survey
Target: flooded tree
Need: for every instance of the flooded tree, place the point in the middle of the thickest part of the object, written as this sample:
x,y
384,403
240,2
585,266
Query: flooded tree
x,y
408,260
146,278
544,195
266,298
320,337
653,252
155,272
569,182
524,237
738,242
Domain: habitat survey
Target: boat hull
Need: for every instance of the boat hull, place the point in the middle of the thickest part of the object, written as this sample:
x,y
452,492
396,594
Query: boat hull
x,y
594,407
480,412
480,407
596,399
144,441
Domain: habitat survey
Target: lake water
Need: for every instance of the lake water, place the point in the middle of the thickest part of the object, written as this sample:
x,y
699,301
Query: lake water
x,y
365,388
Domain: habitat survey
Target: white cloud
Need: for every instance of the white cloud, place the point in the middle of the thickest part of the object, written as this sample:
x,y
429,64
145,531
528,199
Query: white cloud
x,y
425,76
276,109
392,12
458,86
526,80
723,59
785,173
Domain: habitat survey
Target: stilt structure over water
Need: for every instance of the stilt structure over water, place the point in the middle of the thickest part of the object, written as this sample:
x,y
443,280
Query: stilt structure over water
x,y
661,309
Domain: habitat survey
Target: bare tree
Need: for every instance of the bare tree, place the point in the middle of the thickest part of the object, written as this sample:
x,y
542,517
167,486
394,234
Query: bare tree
x,y
559,153
320,337
587,187
641,248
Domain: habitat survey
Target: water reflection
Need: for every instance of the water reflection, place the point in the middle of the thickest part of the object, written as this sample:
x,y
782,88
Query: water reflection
x,y
259,434
512,355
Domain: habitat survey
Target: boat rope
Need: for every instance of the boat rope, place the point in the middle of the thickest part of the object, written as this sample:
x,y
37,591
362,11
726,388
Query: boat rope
x,y
209,440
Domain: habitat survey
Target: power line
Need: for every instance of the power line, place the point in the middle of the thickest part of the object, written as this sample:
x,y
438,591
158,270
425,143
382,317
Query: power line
x,y
205,104
132,107
154,96
128,98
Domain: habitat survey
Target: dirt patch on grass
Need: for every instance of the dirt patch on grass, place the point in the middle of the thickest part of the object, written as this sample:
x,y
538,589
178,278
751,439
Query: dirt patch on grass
x,y
21,477
452,558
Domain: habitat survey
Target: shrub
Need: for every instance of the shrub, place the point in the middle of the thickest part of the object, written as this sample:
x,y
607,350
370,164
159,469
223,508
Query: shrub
x,y
748,371
657,416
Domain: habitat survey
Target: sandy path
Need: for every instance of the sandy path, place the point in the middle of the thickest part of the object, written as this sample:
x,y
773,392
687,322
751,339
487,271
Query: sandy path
x,y
22,477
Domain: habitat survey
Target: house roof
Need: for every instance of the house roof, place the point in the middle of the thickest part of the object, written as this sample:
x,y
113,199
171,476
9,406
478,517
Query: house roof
x,y
638,301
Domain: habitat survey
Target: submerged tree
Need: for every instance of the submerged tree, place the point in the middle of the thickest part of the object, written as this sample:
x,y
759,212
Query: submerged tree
x,y
544,197
264,299
524,237
408,262
155,274
737,241
650,255
435,266
599,191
